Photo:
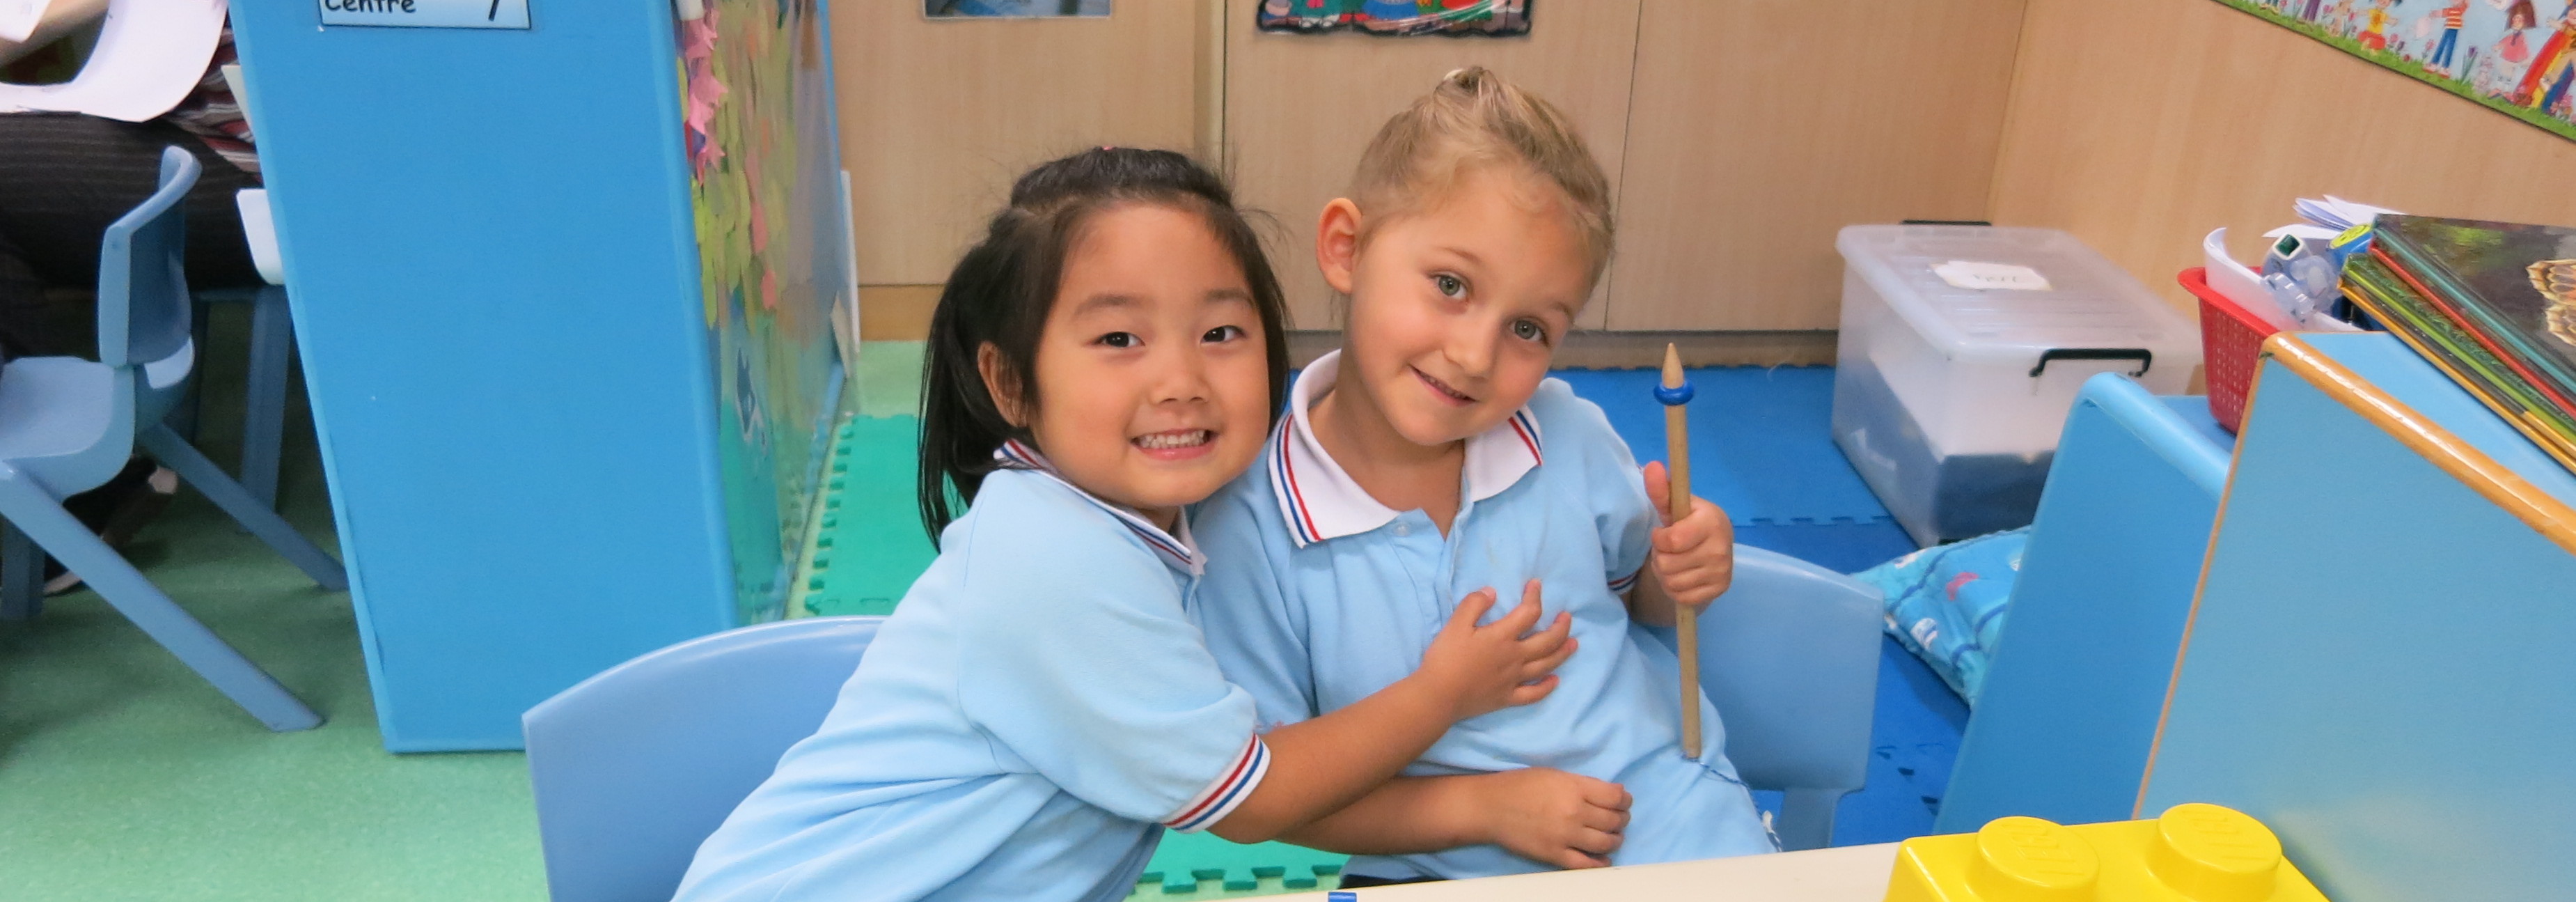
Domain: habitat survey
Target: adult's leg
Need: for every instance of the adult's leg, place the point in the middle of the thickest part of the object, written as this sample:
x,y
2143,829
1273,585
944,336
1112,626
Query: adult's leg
x,y
63,179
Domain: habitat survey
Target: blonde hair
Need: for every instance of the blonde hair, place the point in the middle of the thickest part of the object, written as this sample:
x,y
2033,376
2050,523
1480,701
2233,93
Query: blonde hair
x,y
1473,119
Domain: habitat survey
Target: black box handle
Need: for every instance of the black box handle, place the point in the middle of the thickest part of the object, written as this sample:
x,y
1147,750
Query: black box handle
x,y
2144,357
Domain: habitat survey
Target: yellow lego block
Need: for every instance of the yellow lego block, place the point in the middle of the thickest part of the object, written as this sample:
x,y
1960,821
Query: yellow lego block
x,y
2194,853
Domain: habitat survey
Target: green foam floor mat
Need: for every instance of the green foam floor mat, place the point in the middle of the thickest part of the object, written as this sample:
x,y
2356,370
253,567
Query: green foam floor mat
x,y
866,544
1207,866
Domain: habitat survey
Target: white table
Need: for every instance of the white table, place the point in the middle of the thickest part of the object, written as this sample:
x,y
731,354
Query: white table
x,y
1847,874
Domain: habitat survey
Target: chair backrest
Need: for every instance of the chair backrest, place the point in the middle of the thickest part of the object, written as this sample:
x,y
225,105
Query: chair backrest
x,y
1789,655
143,303
2080,668
634,767
259,228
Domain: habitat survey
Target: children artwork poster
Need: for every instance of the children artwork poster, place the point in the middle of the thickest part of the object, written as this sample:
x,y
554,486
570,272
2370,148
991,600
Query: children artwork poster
x,y
2517,56
1395,17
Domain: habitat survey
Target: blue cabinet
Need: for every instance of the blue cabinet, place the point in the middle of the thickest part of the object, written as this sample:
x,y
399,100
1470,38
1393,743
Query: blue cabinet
x,y
2379,661
565,330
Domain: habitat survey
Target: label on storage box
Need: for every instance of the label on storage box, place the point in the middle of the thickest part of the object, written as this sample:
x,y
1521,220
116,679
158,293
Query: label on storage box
x,y
1991,276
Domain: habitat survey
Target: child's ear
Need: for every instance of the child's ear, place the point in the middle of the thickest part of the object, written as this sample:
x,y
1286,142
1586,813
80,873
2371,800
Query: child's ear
x,y
998,383
1337,243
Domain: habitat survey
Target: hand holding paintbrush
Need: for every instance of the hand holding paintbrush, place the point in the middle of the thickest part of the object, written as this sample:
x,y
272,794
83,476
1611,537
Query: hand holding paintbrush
x,y
1694,550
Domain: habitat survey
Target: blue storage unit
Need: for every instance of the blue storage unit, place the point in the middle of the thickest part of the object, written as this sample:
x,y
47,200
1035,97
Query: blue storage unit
x,y
2378,662
2079,672
567,342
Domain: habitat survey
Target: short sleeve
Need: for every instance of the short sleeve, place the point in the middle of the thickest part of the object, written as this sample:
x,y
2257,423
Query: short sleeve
x,y
1256,633
1614,489
1094,676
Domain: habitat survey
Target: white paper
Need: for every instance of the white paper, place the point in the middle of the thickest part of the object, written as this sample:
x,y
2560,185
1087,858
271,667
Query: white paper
x,y
2335,213
150,54
1990,276
18,18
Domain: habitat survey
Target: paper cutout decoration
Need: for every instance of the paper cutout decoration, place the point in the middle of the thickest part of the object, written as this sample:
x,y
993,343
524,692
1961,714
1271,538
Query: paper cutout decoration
x,y
2515,56
1395,17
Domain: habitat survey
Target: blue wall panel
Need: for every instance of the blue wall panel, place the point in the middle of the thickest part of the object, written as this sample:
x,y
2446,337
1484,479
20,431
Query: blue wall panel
x,y
489,248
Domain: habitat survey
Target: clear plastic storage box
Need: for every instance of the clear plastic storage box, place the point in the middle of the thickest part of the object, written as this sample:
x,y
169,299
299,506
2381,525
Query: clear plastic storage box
x,y
1961,350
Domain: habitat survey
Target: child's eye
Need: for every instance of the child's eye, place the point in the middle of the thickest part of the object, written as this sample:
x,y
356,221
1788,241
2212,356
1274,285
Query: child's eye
x,y
1222,334
1450,286
1118,340
1529,330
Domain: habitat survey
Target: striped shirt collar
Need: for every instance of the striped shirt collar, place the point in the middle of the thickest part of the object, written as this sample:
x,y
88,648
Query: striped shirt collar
x,y
1180,552
1320,500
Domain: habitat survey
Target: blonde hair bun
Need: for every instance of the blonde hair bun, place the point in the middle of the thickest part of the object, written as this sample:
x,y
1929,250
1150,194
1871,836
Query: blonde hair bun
x,y
1475,118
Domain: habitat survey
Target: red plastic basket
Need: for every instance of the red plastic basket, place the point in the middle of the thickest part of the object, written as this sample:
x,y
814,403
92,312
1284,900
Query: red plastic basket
x,y
2231,343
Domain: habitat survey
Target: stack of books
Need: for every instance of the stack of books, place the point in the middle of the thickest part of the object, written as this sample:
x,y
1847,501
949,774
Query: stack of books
x,y
2493,304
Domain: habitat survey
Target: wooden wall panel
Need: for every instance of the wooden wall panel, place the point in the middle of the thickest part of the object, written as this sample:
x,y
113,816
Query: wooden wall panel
x,y
938,117
1760,127
1299,108
2142,124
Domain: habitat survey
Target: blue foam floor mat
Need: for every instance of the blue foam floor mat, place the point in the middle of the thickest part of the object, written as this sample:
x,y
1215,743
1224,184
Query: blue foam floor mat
x,y
1762,447
1761,439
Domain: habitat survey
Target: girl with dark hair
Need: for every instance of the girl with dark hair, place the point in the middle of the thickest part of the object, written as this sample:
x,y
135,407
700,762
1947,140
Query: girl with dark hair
x,y
1041,703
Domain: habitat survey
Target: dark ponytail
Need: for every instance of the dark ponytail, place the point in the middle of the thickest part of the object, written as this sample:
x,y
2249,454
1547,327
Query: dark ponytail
x,y
1003,288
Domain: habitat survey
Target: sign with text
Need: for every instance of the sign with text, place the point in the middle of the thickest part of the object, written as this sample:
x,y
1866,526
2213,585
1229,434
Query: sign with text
x,y
427,13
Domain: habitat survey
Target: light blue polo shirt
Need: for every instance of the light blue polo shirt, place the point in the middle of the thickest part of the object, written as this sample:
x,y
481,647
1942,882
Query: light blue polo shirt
x,y
1317,595
1034,712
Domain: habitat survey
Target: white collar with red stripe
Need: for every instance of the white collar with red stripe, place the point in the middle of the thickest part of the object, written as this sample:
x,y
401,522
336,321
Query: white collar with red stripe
x,y
1319,499
1179,551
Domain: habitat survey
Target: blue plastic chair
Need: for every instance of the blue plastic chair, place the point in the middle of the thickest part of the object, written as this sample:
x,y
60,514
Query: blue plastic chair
x,y
2078,679
634,767
68,425
272,350
1789,655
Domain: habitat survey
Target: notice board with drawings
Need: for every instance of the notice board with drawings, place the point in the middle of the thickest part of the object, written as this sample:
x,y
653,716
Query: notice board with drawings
x,y
2517,57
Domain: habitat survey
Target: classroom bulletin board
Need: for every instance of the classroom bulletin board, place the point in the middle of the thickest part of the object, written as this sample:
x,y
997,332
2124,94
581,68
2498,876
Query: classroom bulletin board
x,y
757,116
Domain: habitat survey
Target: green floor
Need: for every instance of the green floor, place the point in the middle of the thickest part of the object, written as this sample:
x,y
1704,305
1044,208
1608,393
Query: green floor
x,y
125,777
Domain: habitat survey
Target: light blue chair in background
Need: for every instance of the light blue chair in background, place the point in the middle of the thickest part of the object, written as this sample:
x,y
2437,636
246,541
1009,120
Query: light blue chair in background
x,y
272,349
67,425
2079,672
634,767
1789,655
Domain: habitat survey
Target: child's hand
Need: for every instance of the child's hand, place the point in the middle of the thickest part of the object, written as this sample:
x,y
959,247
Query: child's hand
x,y
1487,668
1694,557
1553,817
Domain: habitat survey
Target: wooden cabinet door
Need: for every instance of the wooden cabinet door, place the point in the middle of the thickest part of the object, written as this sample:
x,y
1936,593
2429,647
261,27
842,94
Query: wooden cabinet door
x,y
1758,128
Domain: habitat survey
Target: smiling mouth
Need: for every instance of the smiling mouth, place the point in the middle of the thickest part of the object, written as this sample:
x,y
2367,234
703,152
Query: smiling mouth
x,y
1443,390
1174,442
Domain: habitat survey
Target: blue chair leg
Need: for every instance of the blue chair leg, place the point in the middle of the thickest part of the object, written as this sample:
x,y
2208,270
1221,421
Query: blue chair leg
x,y
124,587
189,413
175,453
22,575
1806,818
272,344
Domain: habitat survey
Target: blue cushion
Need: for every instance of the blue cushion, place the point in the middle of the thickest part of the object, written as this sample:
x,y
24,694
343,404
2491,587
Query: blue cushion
x,y
1946,603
